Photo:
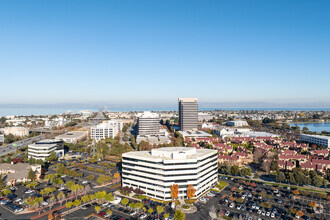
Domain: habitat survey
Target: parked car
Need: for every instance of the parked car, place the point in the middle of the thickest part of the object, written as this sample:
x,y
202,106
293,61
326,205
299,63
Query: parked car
x,y
143,216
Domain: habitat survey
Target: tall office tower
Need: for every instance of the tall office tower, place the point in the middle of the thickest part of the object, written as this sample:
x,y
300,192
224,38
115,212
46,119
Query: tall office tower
x,y
188,113
148,123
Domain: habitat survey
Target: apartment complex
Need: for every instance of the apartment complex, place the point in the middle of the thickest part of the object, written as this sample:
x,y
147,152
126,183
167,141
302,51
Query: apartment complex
x,y
18,173
106,129
316,139
188,113
16,131
42,149
156,170
148,123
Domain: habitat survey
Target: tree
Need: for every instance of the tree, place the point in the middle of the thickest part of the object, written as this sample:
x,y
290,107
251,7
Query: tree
x,y
280,177
299,213
317,181
85,198
60,197
274,165
77,202
69,204
2,182
31,175
97,209
235,170
174,191
52,157
6,191
296,192
58,181
191,191
160,210
179,215
124,201
150,210
90,177
312,204
109,197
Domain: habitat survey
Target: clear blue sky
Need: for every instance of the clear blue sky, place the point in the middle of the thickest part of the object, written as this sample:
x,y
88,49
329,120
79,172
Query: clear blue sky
x,y
156,51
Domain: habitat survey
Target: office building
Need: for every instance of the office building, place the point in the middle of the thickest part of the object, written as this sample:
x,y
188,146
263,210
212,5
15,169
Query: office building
x,y
188,114
16,131
316,139
72,136
42,149
237,123
156,170
106,129
148,123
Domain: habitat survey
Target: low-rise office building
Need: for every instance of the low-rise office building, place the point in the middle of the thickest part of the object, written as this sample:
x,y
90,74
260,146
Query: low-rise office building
x,y
156,170
43,149
316,139
16,131
72,136
237,123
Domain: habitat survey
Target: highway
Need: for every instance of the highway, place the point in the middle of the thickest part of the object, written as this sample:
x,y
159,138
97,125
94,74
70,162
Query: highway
x,y
9,148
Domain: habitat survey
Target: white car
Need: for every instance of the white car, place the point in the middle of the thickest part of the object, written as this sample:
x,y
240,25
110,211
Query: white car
x,y
17,199
210,194
259,212
202,199
44,203
268,214
18,210
143,216
227,213
239,207
231,205
84,182
132,213
105,204
62,188
29,191
272,215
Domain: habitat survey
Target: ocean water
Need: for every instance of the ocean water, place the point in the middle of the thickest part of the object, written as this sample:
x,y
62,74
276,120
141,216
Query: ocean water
x,y
317,127
25,110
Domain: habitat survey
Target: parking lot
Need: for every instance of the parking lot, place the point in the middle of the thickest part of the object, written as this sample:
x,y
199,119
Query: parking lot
x,y
243,200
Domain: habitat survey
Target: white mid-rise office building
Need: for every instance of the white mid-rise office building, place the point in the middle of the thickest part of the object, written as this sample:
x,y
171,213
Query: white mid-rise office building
x,y
148,123
316,139
156,170
42,149
106,129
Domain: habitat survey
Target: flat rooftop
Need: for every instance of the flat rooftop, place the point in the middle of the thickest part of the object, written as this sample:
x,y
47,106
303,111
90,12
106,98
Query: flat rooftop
x,y
171,153
316,136
195,133
73,134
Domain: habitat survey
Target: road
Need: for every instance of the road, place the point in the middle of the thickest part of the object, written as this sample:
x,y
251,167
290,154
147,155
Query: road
x,y
9,148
